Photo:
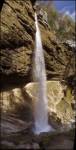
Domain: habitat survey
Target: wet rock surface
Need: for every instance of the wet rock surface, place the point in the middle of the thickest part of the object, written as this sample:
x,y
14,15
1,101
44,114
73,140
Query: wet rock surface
x,y
59,103
24,137
17,120
20,101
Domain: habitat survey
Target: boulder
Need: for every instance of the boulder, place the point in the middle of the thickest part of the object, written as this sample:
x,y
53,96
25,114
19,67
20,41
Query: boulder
x,y
17,103
20,101
58,105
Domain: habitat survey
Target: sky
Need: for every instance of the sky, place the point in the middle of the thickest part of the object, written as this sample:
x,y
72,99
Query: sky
x,y
66,6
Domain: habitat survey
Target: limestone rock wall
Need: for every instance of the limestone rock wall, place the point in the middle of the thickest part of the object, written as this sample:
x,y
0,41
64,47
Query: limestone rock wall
x,y
17,41
59,57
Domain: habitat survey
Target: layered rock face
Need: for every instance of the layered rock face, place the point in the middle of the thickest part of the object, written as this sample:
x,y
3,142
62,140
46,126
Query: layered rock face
x,y
17,41
59,57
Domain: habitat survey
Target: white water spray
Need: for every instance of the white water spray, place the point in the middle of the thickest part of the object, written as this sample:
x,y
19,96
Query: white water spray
x,y
41,105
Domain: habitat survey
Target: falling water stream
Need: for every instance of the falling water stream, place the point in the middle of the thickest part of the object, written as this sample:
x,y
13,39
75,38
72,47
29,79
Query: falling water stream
x,y
41,105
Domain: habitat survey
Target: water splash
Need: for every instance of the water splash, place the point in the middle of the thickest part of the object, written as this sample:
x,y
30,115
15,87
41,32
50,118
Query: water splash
x,y
41,105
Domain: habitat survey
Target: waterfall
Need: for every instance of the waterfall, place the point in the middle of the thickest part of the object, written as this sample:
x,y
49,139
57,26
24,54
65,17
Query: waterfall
x,y
41,105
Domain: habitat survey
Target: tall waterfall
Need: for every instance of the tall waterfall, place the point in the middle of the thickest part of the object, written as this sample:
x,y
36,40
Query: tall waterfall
x,y
40,110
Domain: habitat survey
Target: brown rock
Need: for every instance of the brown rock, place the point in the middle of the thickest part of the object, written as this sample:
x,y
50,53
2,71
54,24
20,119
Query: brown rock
x,y
58,106
16,102
17,41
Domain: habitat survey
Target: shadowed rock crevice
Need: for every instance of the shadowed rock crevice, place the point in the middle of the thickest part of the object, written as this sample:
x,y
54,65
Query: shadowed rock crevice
x,y
1,5
13,80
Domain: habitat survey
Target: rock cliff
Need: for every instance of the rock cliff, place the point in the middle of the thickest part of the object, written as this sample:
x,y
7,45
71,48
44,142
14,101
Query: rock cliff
x,y
18,42
16,61
59,57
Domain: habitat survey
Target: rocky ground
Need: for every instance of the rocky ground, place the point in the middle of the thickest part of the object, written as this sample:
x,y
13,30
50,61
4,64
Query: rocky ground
x,y
17,134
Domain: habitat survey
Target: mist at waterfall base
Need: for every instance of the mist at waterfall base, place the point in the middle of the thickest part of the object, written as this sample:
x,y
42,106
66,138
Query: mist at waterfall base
x,y
41,104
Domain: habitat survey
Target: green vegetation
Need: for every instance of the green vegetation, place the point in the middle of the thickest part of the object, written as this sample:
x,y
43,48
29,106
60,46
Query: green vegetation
x,y
63,26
